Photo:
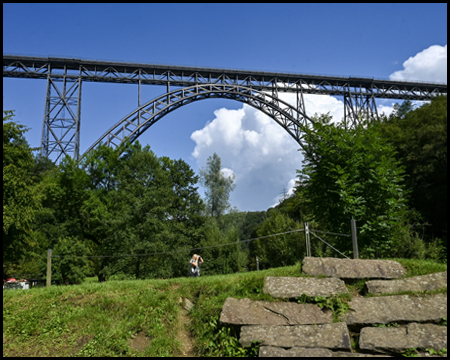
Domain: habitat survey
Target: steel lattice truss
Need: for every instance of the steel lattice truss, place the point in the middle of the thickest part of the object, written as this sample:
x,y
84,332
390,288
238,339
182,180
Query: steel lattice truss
x,y
258,89
132,126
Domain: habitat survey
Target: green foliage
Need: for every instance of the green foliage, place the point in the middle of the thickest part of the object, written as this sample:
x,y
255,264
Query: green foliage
x,y
281,250
411,352
353,174
338,304
108,205
417,267
217,186
102,319
441,352
408,244
392,324
222,259
141,204
220,340
420,139
69,264
21,196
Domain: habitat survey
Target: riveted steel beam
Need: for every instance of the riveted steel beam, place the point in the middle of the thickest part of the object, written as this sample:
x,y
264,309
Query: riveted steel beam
x,y
61,125
137,122
182,76
61,135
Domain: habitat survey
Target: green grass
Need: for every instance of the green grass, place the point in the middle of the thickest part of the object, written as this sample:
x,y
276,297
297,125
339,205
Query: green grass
x,y
137,317
103,319
421,267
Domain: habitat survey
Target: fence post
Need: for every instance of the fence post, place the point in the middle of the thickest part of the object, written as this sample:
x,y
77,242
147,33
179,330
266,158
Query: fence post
x,y
308,243
257,263
354,240
49,267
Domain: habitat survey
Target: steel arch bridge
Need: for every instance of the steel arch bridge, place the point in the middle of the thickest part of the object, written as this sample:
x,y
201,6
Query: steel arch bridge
x,y
258,89
133,125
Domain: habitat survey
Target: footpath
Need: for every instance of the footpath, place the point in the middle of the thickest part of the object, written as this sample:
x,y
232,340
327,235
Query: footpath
x,y
378,324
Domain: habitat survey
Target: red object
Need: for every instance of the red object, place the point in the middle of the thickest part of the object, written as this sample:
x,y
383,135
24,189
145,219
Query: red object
x,y
11,280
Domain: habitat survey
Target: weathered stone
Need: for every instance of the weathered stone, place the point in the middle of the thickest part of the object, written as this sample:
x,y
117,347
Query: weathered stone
x,y
400,308
329,336
289,287
271,351
186,303
346,354
247,312
352,268
428,282
397,340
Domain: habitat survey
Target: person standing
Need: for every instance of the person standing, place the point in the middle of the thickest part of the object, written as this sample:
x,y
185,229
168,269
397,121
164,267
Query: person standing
x,y
195,262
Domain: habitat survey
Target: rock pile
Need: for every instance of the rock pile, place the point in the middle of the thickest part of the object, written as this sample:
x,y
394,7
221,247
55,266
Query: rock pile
x,y
384,325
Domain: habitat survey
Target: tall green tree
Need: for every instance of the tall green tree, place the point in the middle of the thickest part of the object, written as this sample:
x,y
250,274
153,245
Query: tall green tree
x,y
420,139
220,258
280,250
142,204
217,186
352,173
21,196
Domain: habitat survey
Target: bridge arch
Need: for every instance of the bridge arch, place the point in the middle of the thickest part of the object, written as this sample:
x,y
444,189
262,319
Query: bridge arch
x,y
292,119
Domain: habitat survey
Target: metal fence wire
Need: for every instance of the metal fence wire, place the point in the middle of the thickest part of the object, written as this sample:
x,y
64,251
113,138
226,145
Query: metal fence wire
x,y
353,235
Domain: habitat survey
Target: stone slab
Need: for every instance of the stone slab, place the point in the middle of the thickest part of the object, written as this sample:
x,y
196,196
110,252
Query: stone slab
x,y
428,282
353,268
290,287
186,303
271,351
329,336
397,308
248,312
397,340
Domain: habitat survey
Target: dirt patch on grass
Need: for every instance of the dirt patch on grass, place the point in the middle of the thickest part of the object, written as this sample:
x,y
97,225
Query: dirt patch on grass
x,y
187,342
140,342
79,300
81,342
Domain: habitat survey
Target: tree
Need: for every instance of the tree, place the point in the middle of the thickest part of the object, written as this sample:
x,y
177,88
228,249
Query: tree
x,y
280,250
69,263
218,186
141,204
353,174
220,258
21,196
420,139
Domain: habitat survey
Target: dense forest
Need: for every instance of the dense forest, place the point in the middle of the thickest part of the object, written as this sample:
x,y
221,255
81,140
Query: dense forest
x,y
129,213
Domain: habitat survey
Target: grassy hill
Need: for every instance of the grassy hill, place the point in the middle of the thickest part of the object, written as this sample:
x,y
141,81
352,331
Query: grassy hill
x,y
139,317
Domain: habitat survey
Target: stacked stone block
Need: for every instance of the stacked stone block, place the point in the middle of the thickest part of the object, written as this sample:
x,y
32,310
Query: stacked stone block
x,y
287,329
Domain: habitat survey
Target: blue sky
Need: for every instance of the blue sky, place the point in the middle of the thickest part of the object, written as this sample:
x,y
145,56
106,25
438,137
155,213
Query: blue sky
x,y
397,41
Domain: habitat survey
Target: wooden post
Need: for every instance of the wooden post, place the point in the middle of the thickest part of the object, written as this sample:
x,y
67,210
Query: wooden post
x,y
257,263
49,267
308,243
354,240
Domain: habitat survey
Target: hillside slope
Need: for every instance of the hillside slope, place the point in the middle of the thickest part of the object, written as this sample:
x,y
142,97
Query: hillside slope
x,y
139,317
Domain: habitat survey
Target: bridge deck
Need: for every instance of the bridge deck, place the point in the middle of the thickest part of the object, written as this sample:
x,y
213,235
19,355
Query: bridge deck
x,y
119,72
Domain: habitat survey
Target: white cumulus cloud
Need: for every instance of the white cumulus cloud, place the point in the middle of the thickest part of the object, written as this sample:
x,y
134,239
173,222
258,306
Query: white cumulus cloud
x,y
227,172
427,65
253,147
264,157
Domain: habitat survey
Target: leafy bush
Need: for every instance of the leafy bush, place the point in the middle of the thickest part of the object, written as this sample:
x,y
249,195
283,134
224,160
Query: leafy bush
x,y
352,173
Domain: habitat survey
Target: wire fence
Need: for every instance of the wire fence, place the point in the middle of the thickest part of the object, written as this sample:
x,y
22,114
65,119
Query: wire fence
x,y
306,229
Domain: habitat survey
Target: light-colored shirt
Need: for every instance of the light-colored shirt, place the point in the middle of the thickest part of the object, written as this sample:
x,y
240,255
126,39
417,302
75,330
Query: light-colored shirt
x,y
195,269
